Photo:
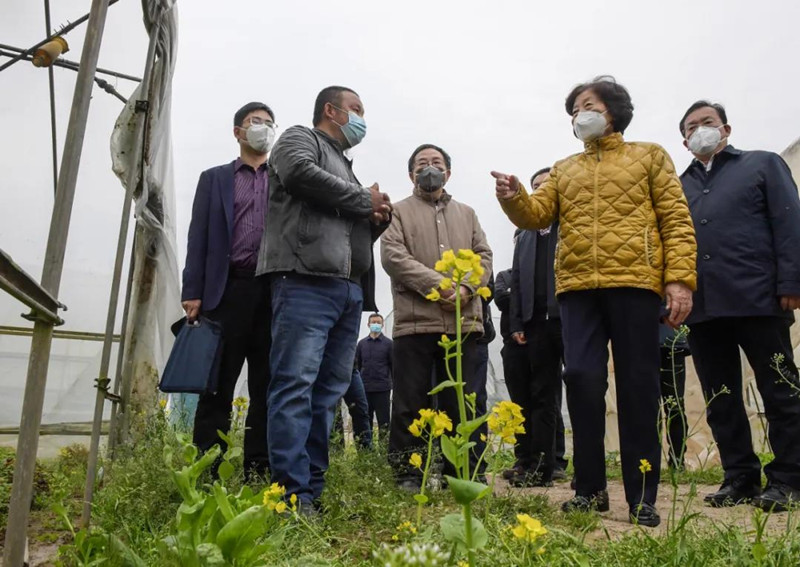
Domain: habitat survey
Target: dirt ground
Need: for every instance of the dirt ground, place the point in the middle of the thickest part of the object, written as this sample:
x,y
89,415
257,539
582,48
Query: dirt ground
x,y
616,522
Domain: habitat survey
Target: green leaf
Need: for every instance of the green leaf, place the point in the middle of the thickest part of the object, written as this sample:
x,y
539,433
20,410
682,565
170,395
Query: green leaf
x,y
421,498
454,530
210,554
237,538
234,453
441,386
466,491
449,449
759,551
225,471
221,497
189,453
468,427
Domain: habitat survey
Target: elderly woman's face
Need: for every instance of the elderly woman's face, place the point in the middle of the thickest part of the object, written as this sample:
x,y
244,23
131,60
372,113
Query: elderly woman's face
x,y
587,100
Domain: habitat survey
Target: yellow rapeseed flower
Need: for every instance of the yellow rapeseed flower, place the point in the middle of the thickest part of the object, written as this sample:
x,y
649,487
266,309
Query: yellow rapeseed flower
x,y
441,423
434,295
645,466
415,428
446,283
427,414
463,266
280,507
415,460
528,529
505,420
293,501
162,403
484,292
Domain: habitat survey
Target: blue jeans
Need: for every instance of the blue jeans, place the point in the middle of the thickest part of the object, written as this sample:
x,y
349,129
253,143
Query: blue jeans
x,y
315,323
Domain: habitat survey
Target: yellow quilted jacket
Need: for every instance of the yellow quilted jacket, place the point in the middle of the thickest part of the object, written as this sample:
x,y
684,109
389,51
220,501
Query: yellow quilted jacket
x,y
623,218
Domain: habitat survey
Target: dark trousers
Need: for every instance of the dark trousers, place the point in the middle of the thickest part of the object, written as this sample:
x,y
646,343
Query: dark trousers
x,y
536,392
414,359
356,401
518,376
673,408
629,318
379,407
245,315
715,349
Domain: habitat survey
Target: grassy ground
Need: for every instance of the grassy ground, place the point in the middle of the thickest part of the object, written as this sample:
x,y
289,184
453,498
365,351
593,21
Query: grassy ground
x,y
137,502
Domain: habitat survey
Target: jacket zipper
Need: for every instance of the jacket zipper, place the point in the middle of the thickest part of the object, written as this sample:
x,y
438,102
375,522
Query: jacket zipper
x,y
596,207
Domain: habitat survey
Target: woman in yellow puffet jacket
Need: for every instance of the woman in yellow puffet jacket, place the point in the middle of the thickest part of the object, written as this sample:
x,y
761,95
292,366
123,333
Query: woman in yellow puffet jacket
x,y
625,240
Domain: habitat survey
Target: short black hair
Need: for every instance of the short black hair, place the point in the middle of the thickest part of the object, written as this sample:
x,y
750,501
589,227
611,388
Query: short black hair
x,y
445,155
614,96
703,104
242,113
538,173
374,315
331,94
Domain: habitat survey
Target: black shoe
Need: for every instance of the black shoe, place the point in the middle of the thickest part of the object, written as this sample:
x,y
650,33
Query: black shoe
x,y
559,474
508,474
598,501
529,479
778,497
644,514
739,490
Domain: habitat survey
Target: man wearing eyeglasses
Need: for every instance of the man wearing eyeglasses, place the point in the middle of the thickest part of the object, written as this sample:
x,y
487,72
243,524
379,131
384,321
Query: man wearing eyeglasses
x,y
219,281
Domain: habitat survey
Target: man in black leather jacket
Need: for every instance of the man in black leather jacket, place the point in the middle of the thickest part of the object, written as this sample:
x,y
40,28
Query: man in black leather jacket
x,y
317,247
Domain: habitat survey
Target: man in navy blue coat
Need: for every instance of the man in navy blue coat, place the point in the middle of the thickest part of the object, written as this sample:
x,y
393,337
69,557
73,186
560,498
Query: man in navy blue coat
x,y
746,215
219,281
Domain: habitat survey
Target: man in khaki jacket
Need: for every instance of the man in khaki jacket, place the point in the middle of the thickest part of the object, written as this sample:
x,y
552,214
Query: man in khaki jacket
x,y
425,225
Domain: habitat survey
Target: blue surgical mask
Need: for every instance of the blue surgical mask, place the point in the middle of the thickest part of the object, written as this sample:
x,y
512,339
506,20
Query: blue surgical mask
x,y
355,129
375,327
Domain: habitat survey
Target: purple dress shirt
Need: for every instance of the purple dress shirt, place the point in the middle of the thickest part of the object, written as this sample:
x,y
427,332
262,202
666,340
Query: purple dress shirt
x,y
250,192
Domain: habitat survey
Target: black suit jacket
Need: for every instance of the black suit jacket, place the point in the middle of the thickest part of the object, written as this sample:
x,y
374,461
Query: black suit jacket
x,y
522,279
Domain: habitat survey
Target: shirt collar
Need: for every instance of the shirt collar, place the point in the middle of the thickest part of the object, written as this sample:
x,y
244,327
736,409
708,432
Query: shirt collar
x,y
729,150
239,164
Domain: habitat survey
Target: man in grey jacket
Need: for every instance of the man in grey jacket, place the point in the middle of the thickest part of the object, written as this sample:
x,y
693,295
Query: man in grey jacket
x,y
425,225
317,248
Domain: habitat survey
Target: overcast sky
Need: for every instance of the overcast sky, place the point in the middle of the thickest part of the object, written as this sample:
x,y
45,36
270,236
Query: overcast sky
x,y
484,80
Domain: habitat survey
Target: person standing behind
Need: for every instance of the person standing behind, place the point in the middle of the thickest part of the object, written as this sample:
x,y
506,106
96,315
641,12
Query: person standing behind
x,y
317,249
219,282
425,225
747,213
536,324
516,364
374,362
625,239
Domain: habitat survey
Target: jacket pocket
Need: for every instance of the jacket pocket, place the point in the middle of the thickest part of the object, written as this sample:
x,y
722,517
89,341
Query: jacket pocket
x,y
652,248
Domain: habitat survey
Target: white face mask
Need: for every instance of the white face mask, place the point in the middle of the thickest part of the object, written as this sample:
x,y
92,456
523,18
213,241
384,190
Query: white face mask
x,y
704,140
261,137
589,125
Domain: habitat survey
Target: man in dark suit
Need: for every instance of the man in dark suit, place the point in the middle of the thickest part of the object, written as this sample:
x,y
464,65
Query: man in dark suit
x,y
219,281
535,323
746,215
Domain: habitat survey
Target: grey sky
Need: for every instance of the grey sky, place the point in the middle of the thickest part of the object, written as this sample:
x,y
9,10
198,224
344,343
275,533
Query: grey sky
x,y
484,80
